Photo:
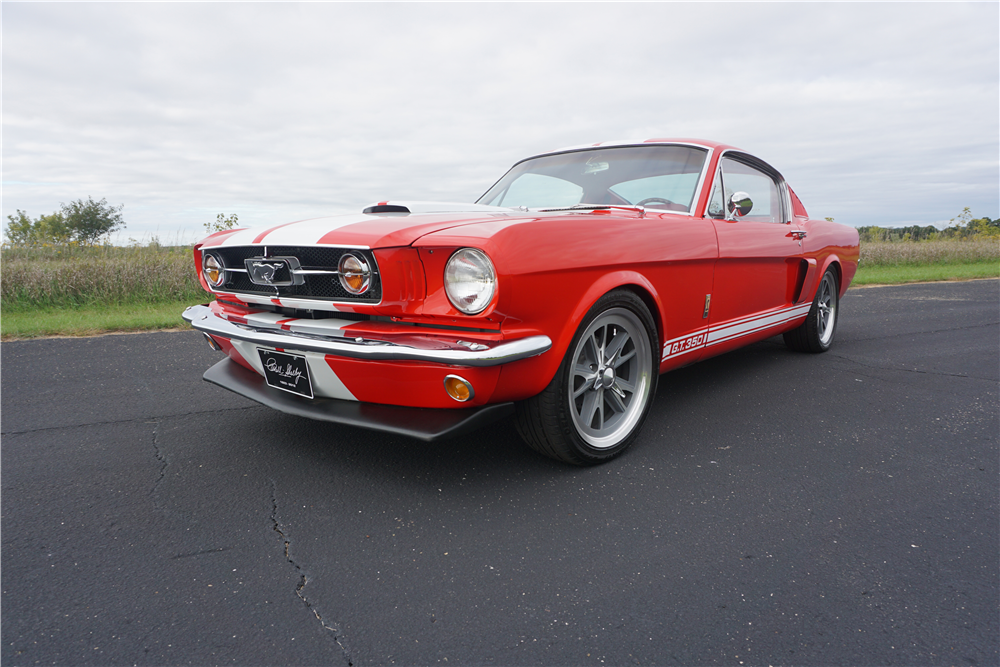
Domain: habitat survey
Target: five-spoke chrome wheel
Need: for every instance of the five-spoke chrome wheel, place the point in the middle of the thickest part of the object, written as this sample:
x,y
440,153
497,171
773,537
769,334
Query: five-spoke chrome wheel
x,y
610,377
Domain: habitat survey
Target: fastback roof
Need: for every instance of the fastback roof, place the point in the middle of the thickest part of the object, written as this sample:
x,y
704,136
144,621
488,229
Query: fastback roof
x,y
638,142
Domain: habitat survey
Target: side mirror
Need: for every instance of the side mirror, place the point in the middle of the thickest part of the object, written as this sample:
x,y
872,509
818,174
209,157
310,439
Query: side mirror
x,y
739,205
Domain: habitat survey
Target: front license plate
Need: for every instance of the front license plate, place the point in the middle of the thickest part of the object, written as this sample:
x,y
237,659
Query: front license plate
x,y
288,372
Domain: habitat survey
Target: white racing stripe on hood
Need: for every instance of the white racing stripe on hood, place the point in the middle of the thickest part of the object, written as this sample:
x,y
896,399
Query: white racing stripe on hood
x,y
303,232
309,232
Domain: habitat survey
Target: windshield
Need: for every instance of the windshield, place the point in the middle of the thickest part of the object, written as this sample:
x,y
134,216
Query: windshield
x,y
655,176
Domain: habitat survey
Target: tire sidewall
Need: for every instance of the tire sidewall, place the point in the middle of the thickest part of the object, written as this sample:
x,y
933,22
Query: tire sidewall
x,y
617,299
814,331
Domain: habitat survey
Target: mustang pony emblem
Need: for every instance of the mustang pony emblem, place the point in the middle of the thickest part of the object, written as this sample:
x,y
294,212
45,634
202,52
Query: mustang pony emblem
x,y
262,273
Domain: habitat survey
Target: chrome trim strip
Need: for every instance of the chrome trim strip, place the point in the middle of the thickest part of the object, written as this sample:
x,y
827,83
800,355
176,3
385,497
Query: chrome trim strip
x,y
758,164
203,319
627,144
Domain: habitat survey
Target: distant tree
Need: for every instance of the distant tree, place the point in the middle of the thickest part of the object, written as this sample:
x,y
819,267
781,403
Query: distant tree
x,y
80,221
985,227
222,223
912,233
88,221
964,226
53,229
23,231
20,229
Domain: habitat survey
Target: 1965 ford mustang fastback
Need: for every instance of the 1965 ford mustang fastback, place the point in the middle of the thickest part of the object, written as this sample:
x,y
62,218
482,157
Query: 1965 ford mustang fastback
x,y
559,297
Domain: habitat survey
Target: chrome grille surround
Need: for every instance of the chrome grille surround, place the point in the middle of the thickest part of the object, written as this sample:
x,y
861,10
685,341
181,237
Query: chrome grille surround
x,y
316,276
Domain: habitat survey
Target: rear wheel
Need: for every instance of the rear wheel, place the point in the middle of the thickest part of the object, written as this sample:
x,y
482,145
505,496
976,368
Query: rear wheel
x,y
816,333
595,405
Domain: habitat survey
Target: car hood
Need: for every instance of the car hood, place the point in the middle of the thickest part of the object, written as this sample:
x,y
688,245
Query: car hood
x,y
395,224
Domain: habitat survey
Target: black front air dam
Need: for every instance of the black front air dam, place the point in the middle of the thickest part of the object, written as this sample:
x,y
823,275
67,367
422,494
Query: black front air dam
x,y
426,424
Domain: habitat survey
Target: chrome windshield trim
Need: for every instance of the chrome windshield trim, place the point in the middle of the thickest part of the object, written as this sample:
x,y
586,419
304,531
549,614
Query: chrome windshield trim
x,y
203,319
709,152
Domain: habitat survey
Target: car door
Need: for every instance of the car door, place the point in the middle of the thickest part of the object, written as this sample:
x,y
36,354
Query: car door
x,y
760,255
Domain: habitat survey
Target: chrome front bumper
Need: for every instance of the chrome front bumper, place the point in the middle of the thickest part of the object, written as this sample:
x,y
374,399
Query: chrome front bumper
x,y
203,319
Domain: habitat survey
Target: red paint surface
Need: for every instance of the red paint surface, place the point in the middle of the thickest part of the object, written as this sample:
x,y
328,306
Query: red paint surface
x,y
552,267
410,383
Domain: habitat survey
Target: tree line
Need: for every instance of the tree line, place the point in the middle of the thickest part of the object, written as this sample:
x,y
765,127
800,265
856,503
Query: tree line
x,y
964,226
87,222
80,222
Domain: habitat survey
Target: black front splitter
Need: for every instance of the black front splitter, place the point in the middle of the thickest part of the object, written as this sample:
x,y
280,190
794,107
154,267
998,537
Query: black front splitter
x,y
426,424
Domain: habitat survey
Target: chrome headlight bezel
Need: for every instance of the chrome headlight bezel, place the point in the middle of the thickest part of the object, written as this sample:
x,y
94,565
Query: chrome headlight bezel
x,y
211,262
350,272
470,280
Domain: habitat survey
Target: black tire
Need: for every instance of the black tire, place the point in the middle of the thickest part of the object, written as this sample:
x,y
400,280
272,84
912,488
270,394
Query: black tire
x,y
816,333
593,410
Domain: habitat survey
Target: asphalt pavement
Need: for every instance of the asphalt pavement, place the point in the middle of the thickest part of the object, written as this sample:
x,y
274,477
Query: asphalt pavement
x,y
778,509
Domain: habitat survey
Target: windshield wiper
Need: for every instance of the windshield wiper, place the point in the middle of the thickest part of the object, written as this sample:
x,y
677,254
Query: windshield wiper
x,y
596,207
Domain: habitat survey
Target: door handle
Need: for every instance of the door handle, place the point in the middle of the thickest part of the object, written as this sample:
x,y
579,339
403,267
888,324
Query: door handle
x,y
797,234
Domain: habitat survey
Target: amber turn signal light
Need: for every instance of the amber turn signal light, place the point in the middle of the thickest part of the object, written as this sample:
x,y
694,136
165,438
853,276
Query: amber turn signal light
x,y
458,388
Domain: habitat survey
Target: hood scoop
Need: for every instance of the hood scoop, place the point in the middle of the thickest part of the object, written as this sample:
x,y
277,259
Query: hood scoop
x,y
431,207
386,208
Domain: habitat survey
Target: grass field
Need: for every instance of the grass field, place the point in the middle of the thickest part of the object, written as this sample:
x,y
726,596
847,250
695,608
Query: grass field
x,y
85,291
91,320
923,253
68,277
899,275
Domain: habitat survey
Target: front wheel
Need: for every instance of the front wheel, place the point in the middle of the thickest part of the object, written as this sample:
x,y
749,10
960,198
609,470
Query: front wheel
x,y
816,333
596,403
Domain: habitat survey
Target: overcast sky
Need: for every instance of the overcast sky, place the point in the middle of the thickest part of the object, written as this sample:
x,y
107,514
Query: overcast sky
x,y
882,114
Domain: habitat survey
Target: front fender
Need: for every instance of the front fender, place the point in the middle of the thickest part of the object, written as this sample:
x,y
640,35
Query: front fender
x,y
526,378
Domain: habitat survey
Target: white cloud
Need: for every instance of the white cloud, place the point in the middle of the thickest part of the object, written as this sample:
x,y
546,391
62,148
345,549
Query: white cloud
x,y
876,113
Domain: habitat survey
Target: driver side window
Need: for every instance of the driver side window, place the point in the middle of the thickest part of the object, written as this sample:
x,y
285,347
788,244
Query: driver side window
x,y
734,176
763,191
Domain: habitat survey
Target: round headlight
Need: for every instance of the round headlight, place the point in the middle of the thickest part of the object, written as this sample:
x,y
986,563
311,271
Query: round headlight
x,y
469,280
355,276
214,272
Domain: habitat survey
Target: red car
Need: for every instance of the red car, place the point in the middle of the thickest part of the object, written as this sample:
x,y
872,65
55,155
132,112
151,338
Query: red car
x,y
558,297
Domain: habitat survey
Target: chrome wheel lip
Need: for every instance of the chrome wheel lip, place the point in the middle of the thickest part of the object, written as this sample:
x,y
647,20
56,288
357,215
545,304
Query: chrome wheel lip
x,y
624,391
826,310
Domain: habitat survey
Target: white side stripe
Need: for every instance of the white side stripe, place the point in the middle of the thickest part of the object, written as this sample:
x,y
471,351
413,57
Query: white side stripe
x,y
754,324
731,330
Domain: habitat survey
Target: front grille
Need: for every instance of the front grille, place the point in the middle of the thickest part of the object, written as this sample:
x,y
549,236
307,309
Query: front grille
x,y
322,286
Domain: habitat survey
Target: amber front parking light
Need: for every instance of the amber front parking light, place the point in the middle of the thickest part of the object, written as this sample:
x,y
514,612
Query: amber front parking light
x,y
459,388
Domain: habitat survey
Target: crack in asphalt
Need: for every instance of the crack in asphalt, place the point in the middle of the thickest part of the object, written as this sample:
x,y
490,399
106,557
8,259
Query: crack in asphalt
x,y
163,465
303,577
128,421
